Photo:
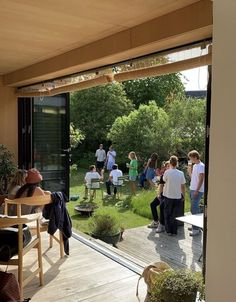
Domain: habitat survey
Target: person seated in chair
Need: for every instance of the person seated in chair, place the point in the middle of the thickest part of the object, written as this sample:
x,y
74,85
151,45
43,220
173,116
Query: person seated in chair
x,y
31,188
113,179
92,174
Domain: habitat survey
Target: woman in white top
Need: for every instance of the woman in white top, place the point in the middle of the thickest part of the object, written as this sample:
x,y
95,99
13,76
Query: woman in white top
x,y
111,158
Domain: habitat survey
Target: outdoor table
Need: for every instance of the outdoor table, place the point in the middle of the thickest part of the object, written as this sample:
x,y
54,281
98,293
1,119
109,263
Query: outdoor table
x,y
194,220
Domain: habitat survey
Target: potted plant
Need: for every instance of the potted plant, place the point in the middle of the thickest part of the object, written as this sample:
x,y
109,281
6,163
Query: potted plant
x,y
177,286
7,168
105,225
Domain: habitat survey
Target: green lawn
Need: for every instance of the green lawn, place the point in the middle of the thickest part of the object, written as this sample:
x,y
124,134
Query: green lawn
x,y
134,211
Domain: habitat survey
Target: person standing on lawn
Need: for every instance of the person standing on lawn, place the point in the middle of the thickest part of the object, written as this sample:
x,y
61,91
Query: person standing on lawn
x,y
174,192
151,170
133,171
159,224
196,171
101,158
111,158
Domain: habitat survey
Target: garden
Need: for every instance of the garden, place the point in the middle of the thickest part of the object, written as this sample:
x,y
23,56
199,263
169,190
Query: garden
x,y
130,211
146,115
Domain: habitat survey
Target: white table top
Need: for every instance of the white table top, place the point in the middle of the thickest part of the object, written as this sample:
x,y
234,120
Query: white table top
x,y
196,220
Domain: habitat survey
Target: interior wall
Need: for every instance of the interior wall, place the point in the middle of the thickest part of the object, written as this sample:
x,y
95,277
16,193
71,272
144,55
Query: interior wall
x,y
221,244
9,119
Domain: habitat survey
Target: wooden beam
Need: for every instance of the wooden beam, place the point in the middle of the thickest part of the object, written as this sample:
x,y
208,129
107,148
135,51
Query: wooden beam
x,y
125,76
182,26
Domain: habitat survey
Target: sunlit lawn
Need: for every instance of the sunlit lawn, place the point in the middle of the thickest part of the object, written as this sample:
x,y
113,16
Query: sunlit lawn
x,y
133,211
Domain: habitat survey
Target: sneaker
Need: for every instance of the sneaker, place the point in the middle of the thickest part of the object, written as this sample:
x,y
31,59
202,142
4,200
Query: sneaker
x,y
195,233
160,229
153,225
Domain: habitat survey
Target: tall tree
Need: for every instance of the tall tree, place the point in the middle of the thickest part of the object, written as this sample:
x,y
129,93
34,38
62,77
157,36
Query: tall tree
x,y
187,122
94,110
159,89
145,130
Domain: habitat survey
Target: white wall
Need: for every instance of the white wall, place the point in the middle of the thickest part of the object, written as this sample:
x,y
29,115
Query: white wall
x,y
221,245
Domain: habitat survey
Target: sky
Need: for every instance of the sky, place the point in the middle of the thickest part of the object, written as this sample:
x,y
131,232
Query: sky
x,y
195,79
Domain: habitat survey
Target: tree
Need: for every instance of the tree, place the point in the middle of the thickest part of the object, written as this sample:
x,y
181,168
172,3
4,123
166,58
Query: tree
x,y
159,89
187,122
76,136
94,110
145,130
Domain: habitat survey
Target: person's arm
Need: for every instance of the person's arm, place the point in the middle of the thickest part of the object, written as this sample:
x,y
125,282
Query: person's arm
x,y
183,190
200,182
102,174
105,156
110,177
96,153
38,192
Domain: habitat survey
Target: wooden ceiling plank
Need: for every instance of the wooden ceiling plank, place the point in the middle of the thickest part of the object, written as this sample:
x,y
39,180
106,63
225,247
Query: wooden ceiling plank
x,y
189,23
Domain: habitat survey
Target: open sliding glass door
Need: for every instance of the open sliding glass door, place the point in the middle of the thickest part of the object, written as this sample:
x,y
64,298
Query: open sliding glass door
x,y
44,139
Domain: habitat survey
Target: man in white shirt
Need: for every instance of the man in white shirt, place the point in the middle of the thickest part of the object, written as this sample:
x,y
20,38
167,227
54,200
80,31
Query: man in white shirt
x,y
196,170
92,174
113,179
101,157
173,192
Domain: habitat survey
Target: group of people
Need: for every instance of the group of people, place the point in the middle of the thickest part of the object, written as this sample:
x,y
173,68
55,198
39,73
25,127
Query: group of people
x,y
115,178
172,194
171,189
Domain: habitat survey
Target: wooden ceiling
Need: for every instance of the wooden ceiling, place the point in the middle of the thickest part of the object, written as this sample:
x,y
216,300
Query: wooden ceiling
x,y
35,31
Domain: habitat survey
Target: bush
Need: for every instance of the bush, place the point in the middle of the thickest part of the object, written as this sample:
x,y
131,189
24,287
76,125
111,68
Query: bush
x,y
141,203
105,221
177,286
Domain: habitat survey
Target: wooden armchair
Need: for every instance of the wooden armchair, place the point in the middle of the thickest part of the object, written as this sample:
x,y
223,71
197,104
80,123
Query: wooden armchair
x,y
6,222
39,201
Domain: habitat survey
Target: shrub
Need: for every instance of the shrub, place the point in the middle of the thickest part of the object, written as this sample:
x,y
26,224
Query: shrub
x,y
105,221
177,286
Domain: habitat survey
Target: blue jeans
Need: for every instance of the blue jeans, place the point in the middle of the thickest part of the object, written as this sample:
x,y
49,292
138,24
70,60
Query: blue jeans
x,y
195,204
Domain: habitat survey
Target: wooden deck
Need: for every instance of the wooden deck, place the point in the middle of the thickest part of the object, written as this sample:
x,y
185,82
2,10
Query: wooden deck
x,y
85,275
147,246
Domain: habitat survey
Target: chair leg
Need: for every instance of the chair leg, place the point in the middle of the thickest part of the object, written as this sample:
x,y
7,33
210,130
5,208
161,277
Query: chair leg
x,y
20,276
40,260
61,245
20,261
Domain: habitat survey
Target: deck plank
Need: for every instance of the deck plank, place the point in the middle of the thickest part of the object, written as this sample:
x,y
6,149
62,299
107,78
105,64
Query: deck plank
x,y
85,275
147,246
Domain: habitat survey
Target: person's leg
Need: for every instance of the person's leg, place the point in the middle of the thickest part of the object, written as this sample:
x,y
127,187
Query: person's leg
x,y
85,192
142,180
174,222
133,187
168,211
108,186
115,190
195,200
162,211
153,206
